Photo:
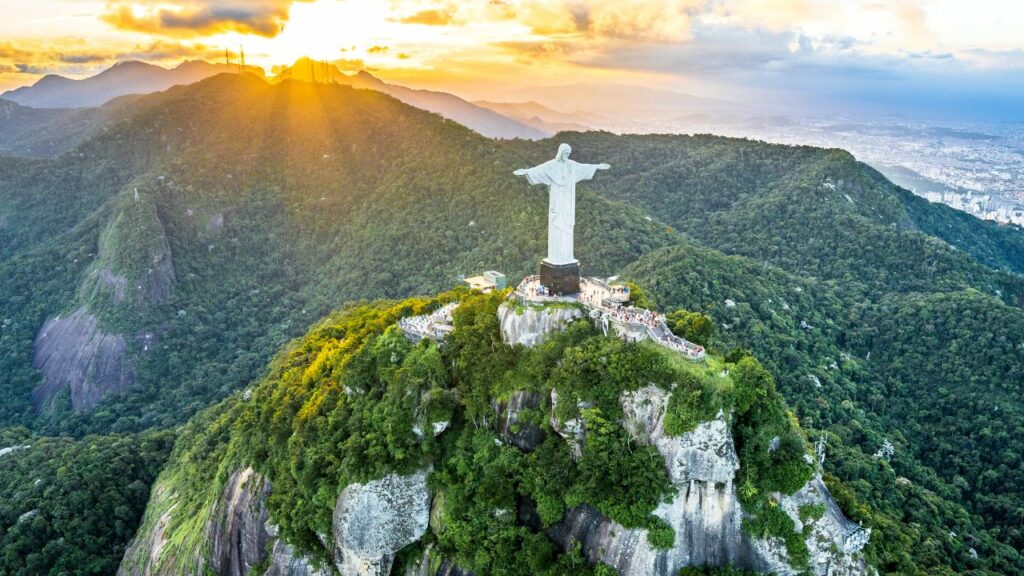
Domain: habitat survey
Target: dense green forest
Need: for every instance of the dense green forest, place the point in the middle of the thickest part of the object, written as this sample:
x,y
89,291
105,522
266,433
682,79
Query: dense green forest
x,y
70,506
239,213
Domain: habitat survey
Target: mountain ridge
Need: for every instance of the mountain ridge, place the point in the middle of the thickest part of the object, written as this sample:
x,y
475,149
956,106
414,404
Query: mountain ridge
x,y
121,79
136,77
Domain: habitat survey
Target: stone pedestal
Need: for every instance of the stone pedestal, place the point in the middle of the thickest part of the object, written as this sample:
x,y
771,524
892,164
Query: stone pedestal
x,y
561,279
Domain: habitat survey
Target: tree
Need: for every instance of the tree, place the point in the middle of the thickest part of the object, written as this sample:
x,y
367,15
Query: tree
x,y
692,326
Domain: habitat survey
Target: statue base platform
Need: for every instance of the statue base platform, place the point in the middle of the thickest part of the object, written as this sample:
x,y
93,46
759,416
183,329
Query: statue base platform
x,y
560,279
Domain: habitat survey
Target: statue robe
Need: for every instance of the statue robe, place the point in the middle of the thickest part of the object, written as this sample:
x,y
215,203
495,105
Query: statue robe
x,y
561,176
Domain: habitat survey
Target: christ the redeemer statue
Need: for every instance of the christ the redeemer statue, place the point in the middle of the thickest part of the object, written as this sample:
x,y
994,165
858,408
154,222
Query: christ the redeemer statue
x,y
560,270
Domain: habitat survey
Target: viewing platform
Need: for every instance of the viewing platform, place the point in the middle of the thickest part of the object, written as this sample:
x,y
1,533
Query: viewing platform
x,y
606,304
434,326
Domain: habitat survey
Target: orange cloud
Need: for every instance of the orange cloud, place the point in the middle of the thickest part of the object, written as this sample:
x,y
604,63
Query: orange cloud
x,y
431,17
75,57
10,51
643,20
192,18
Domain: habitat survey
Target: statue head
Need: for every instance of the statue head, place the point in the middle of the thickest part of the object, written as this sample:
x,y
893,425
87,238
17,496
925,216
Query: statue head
x,y
563,152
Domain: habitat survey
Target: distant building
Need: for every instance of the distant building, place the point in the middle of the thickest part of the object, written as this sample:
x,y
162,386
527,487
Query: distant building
x,y
490,280
497,278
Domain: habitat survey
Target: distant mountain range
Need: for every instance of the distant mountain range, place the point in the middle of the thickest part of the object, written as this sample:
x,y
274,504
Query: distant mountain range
x,y
488,122
543,118
58,92
615,101
130,77
532,112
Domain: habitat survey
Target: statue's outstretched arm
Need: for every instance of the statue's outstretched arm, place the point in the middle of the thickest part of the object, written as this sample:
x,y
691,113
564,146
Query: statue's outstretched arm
x,y
603,166
520,172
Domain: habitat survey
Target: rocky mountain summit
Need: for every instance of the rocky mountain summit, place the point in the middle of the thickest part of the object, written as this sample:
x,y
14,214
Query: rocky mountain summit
x,y
419,517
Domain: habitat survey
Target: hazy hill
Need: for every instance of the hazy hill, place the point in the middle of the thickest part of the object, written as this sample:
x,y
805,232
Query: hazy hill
x,y
261,207
488,122
60,129
619,103
542,117
300,196
129,77
48,132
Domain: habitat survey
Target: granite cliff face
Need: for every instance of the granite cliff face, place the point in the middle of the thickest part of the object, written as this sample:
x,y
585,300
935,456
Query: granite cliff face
x,y
237,530
705,513
236,537
72,352
527,325
522,435
132,271
372,522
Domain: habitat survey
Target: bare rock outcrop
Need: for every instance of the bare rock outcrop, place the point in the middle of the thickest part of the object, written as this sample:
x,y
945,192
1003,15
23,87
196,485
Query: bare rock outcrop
x,y
511,428
705,512
528,325
707,453
146,551
424,566
237,528
832,538
375,520
573,430
284,561
73,353
236,537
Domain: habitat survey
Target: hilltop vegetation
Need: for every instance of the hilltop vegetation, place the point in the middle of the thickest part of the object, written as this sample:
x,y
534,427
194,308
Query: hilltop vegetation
x,y
340,405
278,203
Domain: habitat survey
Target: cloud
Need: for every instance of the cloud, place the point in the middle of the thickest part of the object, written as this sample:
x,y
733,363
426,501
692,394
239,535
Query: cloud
x,y
194,18
432,17
350,64
992,59
76,57
663,21
640,20
83,58
10,51
162,51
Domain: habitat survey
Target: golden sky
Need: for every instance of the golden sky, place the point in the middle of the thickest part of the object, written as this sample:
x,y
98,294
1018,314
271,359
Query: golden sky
x,y
478,47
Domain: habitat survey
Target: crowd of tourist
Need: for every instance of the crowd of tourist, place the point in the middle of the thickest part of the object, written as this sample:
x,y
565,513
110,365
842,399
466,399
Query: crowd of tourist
x,y
434,325
602,297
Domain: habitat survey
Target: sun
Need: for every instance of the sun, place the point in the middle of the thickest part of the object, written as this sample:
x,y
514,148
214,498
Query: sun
x,y
355,30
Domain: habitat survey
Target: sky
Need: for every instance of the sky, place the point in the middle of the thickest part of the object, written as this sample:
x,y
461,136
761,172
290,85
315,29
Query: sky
x,y
957,55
